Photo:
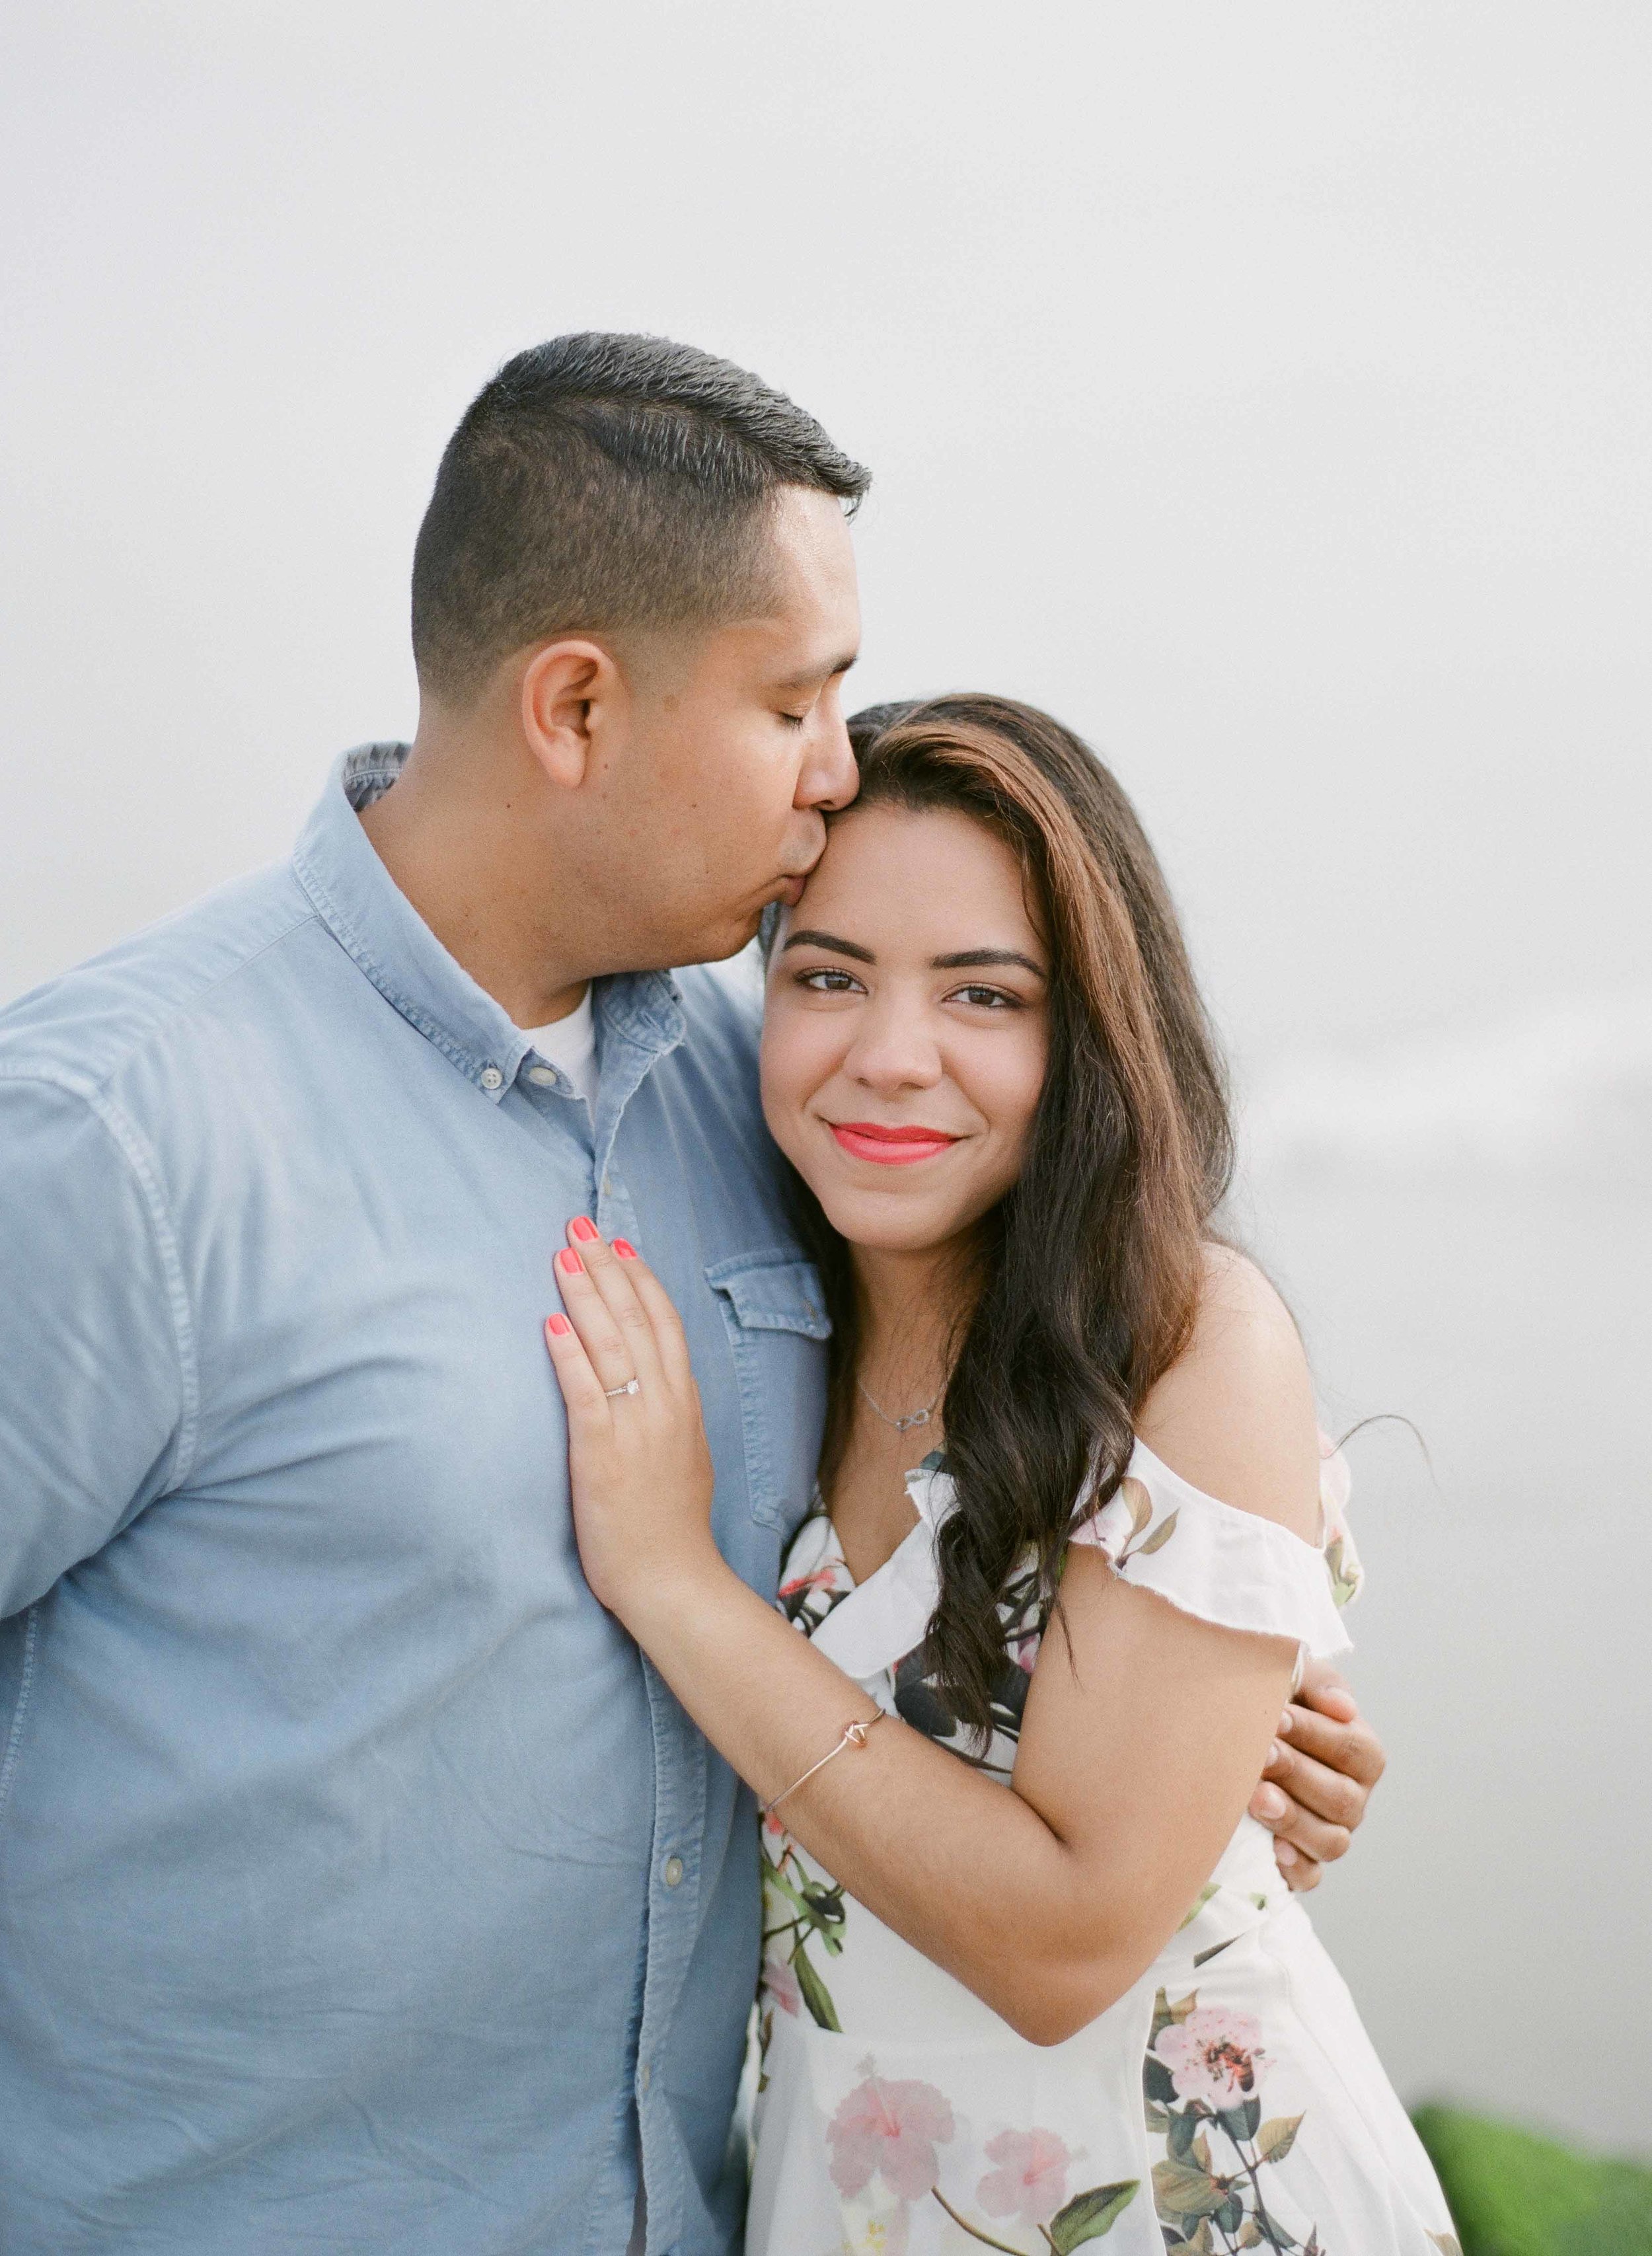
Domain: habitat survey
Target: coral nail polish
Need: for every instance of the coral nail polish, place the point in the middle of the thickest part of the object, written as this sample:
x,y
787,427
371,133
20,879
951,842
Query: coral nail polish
x,y
583,1227
626,1250
569,1262
559,1325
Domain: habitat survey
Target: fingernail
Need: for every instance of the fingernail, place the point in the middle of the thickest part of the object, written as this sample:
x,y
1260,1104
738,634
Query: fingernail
x,y
1270,1802
1283,1853
559,1325
569,1262
583,1228
624,1249
1284,1724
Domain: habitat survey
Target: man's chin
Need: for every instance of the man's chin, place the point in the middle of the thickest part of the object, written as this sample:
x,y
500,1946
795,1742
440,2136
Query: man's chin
x,y
716,947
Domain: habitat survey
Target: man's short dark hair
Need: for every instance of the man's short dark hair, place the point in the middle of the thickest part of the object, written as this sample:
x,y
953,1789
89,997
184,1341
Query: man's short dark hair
x,y
601,483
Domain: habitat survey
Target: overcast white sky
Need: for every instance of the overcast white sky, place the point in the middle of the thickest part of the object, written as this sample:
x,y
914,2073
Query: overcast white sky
x,y
1265,389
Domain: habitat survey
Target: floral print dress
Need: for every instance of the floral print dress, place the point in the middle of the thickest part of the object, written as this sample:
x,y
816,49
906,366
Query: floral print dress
x,y
1231,2100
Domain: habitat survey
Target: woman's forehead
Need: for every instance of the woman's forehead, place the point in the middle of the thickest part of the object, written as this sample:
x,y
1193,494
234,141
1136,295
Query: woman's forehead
x,y
921,872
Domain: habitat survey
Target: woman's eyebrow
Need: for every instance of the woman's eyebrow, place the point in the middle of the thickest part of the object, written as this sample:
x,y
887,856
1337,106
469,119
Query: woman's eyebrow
x,y
970,959
828,940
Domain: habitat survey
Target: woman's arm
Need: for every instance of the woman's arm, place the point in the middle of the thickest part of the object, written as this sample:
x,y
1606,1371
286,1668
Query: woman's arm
x,y
1144,1732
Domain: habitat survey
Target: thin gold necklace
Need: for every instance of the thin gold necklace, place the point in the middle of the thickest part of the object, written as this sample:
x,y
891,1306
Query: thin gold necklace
x,y
913,1418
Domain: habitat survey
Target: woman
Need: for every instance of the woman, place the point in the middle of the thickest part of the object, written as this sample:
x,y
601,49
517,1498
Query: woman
x,y
1030,1980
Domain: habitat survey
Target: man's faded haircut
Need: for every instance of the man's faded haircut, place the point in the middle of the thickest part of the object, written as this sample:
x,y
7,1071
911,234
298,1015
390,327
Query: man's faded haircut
x,y
603,484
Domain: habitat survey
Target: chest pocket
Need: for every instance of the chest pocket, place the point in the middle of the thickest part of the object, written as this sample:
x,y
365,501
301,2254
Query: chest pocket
x,y
776,1316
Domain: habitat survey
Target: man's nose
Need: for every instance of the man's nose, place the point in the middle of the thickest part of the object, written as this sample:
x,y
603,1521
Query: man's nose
x,y
830,778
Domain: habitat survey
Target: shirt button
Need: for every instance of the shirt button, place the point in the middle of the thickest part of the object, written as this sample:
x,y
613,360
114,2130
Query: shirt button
x,y
674,1872
541,1076
645,2078
491,1078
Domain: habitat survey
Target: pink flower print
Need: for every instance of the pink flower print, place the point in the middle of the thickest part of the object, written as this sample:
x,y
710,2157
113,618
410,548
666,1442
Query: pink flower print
x,y
781,1985
1214,2055
1030,2182
888,2127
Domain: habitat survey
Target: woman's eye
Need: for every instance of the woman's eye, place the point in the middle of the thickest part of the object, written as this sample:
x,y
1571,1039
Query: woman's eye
x,y
794,720
828,982
988,998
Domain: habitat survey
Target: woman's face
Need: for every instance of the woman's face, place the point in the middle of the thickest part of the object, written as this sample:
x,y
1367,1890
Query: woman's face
x,y
905,1030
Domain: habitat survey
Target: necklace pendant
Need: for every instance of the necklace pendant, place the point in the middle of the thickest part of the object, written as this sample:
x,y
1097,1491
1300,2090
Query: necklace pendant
x,y
917,1418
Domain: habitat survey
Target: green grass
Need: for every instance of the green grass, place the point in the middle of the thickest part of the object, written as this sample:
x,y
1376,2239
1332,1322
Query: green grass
x,y
1515,2194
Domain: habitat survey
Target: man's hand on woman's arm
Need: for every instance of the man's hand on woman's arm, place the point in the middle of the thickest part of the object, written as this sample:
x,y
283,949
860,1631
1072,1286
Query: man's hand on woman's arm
x,y
1319,1779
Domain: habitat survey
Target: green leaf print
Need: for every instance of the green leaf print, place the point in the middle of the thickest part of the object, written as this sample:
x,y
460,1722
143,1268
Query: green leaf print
x,y
816,1995
1164,2012
1277,2138
1158,1538
1089,2215
1182,2192
1199,1902
1228,2217
818,1907
1241,2122
1344,1585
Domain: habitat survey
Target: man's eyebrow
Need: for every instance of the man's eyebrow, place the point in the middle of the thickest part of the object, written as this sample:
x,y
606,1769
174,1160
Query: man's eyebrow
x,y
816,674
830,942
969,959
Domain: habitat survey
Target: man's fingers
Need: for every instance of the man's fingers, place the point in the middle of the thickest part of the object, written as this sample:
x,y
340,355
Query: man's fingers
x,y
1293,1827
1290,1822
1353,1747
1327,1793
1301,1874
1326,1688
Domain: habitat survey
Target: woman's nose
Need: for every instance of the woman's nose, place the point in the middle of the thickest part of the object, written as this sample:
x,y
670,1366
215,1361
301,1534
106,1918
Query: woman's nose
x,y
894,1049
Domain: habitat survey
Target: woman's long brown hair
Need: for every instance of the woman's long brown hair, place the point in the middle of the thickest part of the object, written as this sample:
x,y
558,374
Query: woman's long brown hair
x,y
1088,1271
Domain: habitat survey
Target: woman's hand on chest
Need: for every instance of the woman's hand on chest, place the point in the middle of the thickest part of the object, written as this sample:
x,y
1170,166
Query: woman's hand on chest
x,y
639,1467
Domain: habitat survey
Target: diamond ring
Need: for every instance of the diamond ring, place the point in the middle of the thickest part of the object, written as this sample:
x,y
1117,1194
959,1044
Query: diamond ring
x,y
631,1386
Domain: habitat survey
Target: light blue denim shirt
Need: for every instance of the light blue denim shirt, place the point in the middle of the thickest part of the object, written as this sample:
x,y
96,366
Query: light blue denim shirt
x,y
360,1886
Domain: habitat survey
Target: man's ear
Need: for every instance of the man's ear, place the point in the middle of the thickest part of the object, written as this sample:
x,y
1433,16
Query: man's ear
x,y
567,687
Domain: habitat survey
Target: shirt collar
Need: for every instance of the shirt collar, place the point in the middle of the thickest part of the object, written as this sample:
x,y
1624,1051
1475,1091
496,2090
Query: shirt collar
x,y
363,907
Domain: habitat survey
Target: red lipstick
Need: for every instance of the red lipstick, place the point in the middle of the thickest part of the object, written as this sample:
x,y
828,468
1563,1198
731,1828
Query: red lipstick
x,y
890,1147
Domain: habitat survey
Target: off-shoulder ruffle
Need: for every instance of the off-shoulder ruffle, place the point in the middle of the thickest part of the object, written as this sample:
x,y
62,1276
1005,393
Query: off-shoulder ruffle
x,y
1221,1565
1204,1557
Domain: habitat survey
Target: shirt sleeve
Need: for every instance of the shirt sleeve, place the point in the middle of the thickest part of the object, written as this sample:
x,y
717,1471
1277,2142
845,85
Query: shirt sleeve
x,y
94,1380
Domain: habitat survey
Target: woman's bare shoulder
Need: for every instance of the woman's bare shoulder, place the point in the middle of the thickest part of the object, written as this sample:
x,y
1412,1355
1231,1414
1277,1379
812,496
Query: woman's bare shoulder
x,y
1234,1414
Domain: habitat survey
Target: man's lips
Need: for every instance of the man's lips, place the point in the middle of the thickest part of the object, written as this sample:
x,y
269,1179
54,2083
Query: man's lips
x,y
890,1147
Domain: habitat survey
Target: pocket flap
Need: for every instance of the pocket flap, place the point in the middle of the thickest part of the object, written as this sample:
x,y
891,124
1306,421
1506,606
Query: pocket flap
x,y
773,1291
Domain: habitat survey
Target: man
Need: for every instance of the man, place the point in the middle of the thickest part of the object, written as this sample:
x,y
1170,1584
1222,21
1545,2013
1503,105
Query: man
x,y
360,1887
